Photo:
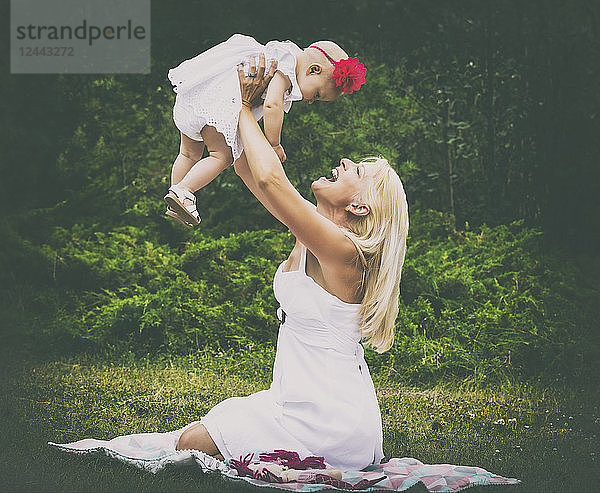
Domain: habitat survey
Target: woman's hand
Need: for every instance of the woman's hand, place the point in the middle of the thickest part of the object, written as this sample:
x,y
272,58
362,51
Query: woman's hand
x,y
254,84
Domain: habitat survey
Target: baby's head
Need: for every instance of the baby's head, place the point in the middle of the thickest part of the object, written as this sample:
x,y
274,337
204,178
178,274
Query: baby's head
x,y
315,72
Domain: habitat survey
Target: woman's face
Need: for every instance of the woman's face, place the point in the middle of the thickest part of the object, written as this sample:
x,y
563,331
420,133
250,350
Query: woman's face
x,y
347,183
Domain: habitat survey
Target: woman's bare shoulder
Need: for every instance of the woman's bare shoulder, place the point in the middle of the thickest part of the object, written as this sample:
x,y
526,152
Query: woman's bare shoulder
x,y
341,279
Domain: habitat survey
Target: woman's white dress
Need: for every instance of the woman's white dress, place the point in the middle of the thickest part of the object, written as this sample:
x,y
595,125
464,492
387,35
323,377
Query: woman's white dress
x,y
208,89
322,400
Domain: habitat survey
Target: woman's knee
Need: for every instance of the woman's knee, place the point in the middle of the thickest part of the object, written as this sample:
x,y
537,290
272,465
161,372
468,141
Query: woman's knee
x,y
186,440
196,437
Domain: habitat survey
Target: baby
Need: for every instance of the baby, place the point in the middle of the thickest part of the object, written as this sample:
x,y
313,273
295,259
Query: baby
x,y
208,103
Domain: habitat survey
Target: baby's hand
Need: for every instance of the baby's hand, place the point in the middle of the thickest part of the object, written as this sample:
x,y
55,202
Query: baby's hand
x,y
280,152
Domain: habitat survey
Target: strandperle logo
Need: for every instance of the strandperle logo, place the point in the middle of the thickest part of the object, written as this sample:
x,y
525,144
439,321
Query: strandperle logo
x,y
80,36
85,32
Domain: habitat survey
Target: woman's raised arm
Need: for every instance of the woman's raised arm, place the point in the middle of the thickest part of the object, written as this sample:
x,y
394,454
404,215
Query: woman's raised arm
x,y
243,171
321,236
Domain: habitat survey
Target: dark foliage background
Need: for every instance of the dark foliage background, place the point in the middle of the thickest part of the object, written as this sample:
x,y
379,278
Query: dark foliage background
x,y
488,110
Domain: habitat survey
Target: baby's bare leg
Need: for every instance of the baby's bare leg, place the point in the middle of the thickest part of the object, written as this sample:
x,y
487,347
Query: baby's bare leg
x,y
197,437
207,169
190,152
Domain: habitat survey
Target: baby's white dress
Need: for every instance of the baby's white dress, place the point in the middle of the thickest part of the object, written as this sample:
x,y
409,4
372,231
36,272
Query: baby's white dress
x,y
208,90
322,400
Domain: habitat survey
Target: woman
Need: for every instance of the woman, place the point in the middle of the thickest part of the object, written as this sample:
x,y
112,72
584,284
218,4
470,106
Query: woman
x,y
340,284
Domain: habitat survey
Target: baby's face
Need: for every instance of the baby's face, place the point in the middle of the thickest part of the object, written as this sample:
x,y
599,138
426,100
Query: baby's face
x,y
318,87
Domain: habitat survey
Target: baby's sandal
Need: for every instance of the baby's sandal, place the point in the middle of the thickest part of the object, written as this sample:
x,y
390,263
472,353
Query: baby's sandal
x,y
173,215
175,199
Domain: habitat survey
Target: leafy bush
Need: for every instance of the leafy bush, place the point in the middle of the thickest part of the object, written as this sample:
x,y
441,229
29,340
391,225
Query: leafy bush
x,y
488,303
103,268
120,290
480,304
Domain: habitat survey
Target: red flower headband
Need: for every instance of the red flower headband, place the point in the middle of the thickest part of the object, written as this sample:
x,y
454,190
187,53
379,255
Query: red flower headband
x,y
349,73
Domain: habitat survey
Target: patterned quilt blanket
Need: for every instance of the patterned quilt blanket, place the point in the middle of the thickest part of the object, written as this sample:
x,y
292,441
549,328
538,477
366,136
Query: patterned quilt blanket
x,y
156,451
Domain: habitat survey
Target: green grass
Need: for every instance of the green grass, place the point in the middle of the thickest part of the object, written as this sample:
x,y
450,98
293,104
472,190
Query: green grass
x,y
546,437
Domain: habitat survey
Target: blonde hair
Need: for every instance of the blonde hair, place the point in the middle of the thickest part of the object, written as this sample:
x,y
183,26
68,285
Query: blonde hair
x,y
380,238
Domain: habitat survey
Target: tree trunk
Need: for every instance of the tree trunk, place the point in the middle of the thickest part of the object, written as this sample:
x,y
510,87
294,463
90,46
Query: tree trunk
x,y
448,155
489,155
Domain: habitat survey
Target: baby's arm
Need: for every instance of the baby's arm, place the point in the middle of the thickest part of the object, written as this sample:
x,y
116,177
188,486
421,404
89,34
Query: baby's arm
x,y
273,111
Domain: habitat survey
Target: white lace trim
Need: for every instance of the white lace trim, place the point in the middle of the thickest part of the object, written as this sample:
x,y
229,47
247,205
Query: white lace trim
x,y
216,100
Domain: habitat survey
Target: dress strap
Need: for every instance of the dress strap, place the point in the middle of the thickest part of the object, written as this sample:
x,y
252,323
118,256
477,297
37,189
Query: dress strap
x,y
302,266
